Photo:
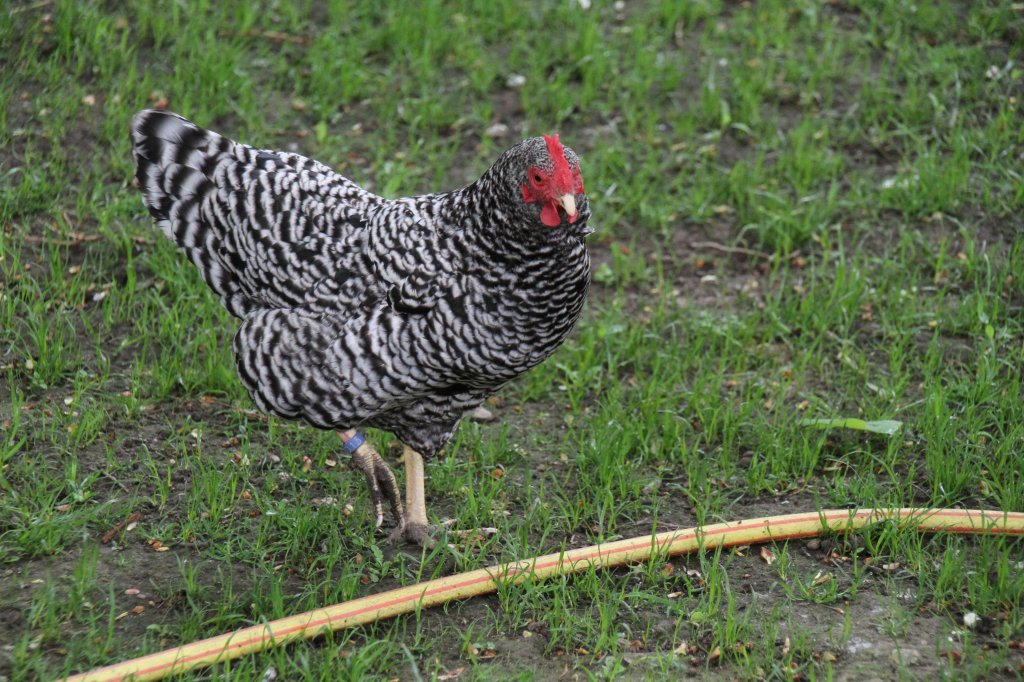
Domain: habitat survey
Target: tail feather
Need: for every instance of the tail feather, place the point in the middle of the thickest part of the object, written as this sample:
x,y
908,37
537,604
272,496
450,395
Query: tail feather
x,y
173,163
228,206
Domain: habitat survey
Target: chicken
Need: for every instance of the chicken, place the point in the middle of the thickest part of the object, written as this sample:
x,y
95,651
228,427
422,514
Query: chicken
x,y
359,311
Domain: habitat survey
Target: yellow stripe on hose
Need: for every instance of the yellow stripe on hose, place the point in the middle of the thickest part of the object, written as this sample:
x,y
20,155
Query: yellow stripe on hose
x,y
485,580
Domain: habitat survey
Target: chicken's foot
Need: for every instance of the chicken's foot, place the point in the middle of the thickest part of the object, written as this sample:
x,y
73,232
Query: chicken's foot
x,y
414,527
379,478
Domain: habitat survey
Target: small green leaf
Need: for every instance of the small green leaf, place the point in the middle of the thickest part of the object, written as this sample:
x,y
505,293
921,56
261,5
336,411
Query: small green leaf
x,y
320,129
698,617
886,427
604,274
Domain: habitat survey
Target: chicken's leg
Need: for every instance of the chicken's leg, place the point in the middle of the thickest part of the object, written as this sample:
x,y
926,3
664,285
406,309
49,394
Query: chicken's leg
x,y
379,478
414,527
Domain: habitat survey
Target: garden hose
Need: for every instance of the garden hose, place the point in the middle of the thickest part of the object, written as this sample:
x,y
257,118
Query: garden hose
x,y
485,580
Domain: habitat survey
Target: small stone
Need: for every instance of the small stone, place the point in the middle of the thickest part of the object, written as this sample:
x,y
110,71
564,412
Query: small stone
x,y
814,544
515,81
496,131
482,415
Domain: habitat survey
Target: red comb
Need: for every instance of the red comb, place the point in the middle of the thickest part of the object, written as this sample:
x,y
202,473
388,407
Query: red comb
x,y
562,175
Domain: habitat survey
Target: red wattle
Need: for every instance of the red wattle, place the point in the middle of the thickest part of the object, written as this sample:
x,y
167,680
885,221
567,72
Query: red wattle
x,y
549,215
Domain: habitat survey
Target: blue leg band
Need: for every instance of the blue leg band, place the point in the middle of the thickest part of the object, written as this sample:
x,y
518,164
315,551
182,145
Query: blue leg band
x,y
353,443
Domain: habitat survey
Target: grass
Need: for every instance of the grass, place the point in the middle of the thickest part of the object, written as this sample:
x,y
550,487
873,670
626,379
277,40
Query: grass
x,y
803,210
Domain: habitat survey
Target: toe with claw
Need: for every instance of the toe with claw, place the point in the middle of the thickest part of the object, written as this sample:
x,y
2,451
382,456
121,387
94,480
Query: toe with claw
x,y
471,536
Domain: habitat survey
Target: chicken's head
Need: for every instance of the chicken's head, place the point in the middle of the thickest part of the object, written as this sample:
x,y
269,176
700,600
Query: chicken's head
x,y
552,181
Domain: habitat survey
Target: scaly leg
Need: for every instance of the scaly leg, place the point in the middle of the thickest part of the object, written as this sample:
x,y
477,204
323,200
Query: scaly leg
x,y
413,526
379,478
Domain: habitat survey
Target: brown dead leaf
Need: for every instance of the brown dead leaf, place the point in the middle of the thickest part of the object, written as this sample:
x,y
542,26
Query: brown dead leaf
x,y
139,609
112,533
786,646
159,101
714,654
767,555
821,578
452,674
682,649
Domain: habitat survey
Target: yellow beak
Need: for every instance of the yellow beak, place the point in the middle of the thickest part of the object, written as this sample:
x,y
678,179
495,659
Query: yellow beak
x,y
568,202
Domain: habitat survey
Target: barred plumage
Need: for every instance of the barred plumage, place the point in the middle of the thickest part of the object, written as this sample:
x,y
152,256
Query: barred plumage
x,y
357,310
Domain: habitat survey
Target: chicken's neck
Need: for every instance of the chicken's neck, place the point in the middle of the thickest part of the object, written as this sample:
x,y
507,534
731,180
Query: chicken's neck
x,y
487,225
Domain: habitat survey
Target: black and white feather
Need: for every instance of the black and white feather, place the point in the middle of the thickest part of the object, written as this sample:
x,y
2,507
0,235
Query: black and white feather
x,y
358,310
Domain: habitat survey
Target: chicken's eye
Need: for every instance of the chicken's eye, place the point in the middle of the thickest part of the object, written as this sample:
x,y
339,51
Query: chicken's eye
x,y
537,178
